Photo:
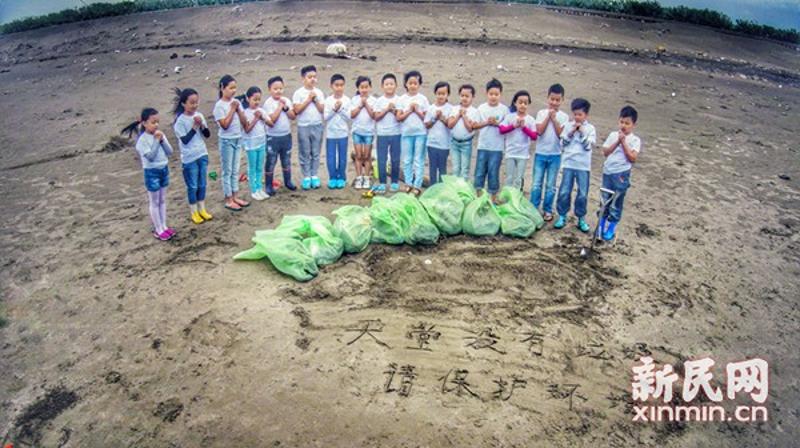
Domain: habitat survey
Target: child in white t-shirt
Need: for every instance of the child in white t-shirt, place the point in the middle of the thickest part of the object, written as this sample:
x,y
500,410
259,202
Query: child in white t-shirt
x,y
438,132
410,112
279,135
519,130
577,138
337,127
309,105
549,124
621,150
461,123
490,141
362,112
254,140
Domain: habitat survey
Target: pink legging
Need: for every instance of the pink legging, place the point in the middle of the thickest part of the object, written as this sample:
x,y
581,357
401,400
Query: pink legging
x,y
158,209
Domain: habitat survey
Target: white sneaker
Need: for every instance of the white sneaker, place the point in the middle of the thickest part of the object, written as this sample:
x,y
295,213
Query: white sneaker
x,y
359,183
264,194
257,196
367,183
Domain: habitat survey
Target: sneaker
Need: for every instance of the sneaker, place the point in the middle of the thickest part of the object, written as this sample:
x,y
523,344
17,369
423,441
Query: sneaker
x,y
367,183
560,222
583,226
608,235
205,215
264,194
360,182
315,182
257,196
196,218
395,187
333,184
379,189
306,185
342,183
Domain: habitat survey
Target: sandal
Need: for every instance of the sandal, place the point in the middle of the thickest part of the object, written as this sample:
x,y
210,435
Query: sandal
x,y
409,189
417,192
548,217
233,209
241,203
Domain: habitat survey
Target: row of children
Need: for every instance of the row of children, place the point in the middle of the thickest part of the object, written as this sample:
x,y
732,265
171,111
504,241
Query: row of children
x,y
408,126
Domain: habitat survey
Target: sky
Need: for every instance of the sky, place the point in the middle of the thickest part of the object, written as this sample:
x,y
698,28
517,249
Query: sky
x,y
778,13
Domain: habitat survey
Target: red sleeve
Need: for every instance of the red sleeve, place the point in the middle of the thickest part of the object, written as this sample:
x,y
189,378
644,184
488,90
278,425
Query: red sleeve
x,y
530,133
505,128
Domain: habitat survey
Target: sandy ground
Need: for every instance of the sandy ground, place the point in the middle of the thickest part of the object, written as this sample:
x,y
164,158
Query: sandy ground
x,y
115,339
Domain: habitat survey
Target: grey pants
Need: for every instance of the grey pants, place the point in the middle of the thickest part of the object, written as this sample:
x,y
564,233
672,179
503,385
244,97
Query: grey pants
x,y
515,170
309,142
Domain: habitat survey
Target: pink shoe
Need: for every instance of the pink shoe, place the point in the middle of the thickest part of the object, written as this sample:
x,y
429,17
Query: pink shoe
x,y
171,231
165,235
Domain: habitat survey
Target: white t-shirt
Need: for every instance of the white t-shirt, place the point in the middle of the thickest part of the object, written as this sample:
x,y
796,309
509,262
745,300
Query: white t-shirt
x,y
337,122
489,137
549,142
577,151
388,125
363,124
282,125
439,133
145,144
257,136
196,147
310,115
221,109
459,131
413,124
518,144
617,162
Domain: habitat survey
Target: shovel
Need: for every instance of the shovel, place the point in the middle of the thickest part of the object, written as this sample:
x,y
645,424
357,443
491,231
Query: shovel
x,y
586,252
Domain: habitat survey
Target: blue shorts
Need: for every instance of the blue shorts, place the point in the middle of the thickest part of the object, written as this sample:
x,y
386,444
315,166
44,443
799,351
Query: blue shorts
x,y
156,178
359,139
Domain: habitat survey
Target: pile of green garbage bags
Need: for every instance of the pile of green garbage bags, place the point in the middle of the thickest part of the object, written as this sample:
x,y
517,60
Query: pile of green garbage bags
x,y
300,244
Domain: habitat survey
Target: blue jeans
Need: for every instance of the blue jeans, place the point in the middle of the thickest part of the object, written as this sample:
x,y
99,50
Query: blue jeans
x,y
437,161
568,177
545,166
255,167
618,182
414,151
156,178
230,158
279,148
336,157
194,175
388,144
462,153
488,165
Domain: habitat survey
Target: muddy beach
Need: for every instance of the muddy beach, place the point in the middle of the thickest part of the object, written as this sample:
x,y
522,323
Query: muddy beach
x,y
116,339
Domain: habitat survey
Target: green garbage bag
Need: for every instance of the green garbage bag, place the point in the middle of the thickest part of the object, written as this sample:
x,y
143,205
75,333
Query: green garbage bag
x,y
513,198
513,223
388,223
444,207
353,226
463,188
289,255
480,217
319,236
420,229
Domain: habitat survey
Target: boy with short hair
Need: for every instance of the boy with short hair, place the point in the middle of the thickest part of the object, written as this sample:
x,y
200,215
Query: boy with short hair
x,y
309,106
336,113
577,138
621,150
461,121
490,141
549,125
